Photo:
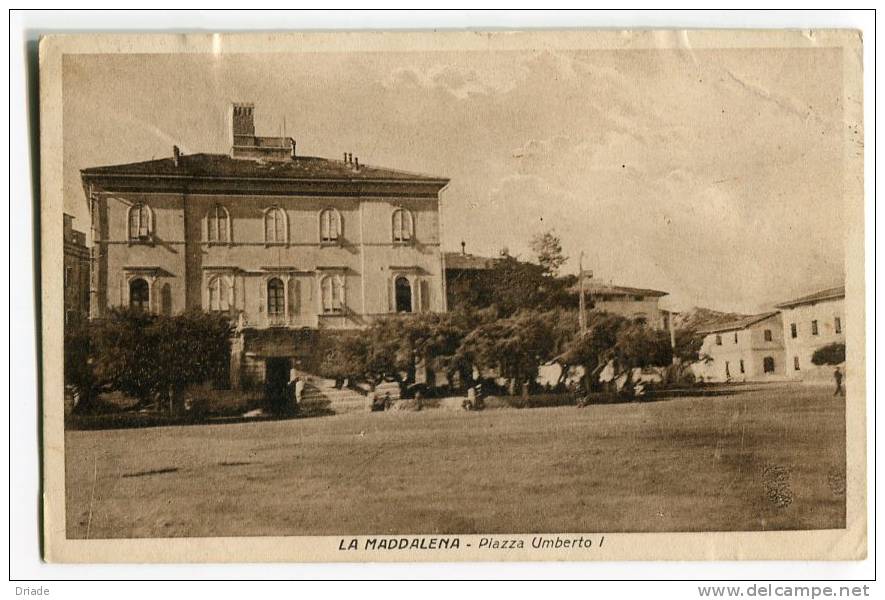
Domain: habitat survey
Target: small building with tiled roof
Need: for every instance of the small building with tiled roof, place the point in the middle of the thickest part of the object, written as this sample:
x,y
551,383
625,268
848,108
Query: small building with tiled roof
x,y
746,348
280,242
467,278
811,322
630,302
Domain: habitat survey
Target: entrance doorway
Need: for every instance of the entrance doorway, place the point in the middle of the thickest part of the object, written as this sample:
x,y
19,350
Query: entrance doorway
x,y
276,379
403,290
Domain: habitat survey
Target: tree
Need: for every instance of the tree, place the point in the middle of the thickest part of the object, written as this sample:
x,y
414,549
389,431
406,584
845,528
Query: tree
x,y
831,354
638,345
78,368
124,353
150,357
548,250
688,345
516,346
192,348
596,347
343,355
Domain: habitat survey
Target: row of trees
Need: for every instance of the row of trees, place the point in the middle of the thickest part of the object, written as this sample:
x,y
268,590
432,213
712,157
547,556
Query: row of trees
x,y
517,316
148,357
514,346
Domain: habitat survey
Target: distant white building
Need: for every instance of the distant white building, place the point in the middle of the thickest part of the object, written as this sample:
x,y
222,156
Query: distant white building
x,y
747,349
809,323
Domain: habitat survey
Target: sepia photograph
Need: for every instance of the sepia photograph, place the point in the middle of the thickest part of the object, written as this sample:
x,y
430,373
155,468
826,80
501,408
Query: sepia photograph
x,y
478,295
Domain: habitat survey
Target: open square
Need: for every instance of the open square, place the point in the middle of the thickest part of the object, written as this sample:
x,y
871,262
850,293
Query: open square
x,y
744,458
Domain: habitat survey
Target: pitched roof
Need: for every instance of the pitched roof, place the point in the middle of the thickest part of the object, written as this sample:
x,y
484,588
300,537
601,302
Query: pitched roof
x,y
598,287
223,166
741,323
827,294
468,262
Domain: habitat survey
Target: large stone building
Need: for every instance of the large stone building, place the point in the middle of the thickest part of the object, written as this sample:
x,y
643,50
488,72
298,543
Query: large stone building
x,y
809,323
286,245
749,348
76,274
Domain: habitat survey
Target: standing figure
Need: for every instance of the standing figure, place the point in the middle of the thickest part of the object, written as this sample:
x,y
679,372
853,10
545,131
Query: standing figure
x,y
837,376
299,391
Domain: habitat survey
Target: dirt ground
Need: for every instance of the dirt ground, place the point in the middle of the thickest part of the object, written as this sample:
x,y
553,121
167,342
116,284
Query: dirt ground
x,y
752,457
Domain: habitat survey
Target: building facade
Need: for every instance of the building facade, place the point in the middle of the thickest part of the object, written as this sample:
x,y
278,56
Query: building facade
x,y
286,245
809,323
631,303
746,349
76,274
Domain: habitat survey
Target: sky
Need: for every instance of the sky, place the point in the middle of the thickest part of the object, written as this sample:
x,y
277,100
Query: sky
x,y
714,175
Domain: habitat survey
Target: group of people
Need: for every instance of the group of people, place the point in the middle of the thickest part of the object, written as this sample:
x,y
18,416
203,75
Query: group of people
x,y
379,403
475,399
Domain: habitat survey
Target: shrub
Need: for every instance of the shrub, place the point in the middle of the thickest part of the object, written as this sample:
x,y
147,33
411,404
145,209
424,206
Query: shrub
x,y
831,354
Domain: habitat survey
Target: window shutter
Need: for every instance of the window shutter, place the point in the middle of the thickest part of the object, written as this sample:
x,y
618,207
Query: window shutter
x,y
342,299
425,296
133,222
407,225
294,296
281,223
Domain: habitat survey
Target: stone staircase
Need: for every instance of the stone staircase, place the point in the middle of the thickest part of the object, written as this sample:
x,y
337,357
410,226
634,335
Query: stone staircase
x,y
321,394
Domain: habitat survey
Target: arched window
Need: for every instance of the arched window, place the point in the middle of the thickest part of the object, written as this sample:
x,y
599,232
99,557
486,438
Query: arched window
x,y
403,293
220,294
275,226
275,297
330,225
403,225
140,222
218,224
139,295
332,292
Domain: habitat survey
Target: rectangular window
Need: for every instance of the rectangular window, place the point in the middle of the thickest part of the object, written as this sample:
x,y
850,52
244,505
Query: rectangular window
x,y
814,328
718,340
768,364
795,363
793,330
838,325
742,365
767,335
68,271
735,337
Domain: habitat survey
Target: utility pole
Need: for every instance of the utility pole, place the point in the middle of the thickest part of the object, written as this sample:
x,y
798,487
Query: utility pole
x,y
582,318
672,336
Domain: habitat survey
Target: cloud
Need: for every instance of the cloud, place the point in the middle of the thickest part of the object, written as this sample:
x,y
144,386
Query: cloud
x,y
461,83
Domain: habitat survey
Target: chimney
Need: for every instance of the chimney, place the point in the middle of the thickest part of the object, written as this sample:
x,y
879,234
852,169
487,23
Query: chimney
x,y
463,247
242,120
345,158
176,155
292,147
356,163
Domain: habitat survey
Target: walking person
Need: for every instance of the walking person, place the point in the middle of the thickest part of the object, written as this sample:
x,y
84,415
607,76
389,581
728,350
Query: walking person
x,y
837,376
